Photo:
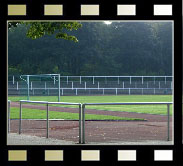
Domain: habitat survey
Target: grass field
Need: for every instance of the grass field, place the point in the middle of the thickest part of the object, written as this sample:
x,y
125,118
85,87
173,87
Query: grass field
x,y
41,114
149,109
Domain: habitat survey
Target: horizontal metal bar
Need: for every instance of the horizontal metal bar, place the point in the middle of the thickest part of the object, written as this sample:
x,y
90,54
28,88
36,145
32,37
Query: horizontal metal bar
x,y
46,102
94,88
115,76
64,103
130,103
28,101
42,75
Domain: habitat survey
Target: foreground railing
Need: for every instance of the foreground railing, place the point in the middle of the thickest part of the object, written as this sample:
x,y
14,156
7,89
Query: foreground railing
x,y
134,103
82,114
47,119
9,107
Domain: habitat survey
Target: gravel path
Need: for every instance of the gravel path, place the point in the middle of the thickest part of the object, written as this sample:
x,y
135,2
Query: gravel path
x,y
16,139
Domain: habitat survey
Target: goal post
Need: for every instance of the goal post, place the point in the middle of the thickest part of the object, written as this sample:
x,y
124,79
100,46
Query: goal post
x,y
44,87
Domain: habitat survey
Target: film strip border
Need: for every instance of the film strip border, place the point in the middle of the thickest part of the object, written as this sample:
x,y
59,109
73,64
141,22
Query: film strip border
x,y
89,155
88,10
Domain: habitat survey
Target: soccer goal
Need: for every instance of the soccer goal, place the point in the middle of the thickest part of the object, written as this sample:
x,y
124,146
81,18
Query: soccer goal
x,y
40,85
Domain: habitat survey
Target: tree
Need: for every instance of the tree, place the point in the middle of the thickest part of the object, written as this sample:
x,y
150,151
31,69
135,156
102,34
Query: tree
x,y
39,29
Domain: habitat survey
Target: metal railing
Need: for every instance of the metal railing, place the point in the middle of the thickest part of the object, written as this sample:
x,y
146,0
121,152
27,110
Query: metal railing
x,y
82,114
47,119
9,108
130,103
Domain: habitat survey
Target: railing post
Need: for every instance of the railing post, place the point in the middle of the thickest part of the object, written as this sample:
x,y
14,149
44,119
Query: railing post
x,y
9,102
20,118
76,91
168,123
28,95
17,85
83,124
59,88
13,80
47,125
80,118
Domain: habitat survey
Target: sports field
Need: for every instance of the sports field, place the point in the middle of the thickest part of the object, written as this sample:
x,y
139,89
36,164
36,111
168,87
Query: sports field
x,y
147,109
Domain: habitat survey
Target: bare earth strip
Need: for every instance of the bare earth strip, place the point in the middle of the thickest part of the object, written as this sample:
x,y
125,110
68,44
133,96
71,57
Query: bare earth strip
x,y
102,132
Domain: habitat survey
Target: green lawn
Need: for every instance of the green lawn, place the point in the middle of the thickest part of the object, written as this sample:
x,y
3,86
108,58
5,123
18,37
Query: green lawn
x,y
41,114
149,109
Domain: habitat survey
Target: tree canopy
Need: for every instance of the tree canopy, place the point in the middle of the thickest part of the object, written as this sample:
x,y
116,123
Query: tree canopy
x,y
121,48
39,29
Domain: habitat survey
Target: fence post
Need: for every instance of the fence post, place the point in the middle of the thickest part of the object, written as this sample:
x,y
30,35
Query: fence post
x,y
116,91
103,91
83,124
168,123
80,80
20,118
67,79
165,79
142,80
9,102
59,88
130,80
76,91
47,125
80,118
28,95
13,80
72,85
17,85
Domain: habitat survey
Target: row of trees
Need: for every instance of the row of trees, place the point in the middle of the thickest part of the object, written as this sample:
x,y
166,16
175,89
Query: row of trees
x,y
121,48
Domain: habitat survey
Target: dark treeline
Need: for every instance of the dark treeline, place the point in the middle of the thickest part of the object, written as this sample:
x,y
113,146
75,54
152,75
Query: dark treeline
x,y
127,48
